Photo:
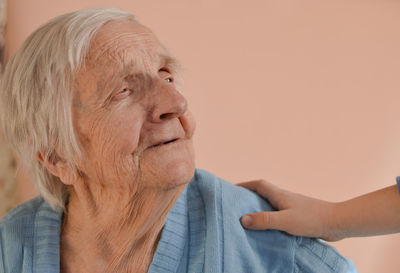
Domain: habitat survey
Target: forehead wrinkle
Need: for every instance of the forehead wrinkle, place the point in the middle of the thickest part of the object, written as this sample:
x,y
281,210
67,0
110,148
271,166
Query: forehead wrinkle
x,y
116,44
119,55
144,63
116,36
124,62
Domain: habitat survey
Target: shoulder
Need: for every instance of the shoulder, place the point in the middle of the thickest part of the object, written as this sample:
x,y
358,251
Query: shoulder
x,y
15,222
19,221
24,211
233,200
259,251
17,232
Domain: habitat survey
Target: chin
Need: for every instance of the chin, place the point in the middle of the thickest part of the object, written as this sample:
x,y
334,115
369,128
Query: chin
x,y
176,175
168,167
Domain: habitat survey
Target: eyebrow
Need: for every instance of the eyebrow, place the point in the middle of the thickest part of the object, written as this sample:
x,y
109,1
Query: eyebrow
x,y
170,62
164,60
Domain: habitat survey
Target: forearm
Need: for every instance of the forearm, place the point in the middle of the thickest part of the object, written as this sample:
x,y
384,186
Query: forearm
x,y
375,213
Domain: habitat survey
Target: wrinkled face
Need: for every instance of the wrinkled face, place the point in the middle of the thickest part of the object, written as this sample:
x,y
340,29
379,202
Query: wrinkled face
x,y
133,122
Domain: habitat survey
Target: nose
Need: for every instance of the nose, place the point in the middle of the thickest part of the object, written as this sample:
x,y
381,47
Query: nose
x,y
169,103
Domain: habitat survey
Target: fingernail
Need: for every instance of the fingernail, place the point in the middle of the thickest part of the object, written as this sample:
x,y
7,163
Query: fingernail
x,y
247,221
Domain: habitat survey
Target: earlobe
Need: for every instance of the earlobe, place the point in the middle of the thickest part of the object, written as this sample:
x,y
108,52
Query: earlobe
x,y
57,167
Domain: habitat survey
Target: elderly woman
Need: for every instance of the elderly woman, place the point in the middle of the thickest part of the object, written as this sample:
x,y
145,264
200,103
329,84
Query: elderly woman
x,y
90,102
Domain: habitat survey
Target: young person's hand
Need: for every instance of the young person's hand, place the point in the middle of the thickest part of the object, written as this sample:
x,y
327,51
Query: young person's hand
x,y
296,214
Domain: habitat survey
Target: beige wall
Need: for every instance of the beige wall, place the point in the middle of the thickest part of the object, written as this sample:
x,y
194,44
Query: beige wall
x,y
302,93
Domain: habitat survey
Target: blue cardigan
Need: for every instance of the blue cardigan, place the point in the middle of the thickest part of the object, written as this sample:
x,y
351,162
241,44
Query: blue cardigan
x,y
202,233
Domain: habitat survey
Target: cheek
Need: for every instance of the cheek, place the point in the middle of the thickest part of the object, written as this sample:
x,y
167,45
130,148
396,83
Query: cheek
x,y
110,143
116,134
123,141
125,133
188,123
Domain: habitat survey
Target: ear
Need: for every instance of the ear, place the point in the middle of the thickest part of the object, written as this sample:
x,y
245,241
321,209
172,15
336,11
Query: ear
x,y
57,167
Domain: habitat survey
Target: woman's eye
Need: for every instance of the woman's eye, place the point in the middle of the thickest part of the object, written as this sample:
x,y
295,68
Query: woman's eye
x,y
165,74
123,93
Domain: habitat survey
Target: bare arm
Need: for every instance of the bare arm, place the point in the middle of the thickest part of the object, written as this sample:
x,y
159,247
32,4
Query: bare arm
x,y
374,213
371,214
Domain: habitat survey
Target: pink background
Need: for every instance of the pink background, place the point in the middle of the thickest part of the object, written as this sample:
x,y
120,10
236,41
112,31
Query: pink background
x,y
302,93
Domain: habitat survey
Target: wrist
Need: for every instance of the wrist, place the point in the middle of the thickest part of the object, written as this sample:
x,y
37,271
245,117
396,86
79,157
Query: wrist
x,y
333,229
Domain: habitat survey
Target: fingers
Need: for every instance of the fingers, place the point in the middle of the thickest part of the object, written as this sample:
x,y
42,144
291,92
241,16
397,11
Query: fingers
x,y
264,220
261,220
267,190
262,187
251,185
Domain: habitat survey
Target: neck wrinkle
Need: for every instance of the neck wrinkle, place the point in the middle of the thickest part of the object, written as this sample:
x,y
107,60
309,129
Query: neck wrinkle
x,y
120,236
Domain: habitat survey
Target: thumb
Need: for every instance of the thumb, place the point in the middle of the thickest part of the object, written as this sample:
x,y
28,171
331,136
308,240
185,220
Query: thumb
x,y
265,220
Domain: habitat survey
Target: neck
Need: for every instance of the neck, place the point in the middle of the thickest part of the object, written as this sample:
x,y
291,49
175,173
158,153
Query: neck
x,y
118,234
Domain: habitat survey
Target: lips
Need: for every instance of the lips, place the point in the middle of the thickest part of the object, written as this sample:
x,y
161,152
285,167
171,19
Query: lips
x,y
164,142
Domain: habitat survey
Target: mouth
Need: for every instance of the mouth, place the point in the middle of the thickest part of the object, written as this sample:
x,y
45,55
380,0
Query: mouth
x,y
165,143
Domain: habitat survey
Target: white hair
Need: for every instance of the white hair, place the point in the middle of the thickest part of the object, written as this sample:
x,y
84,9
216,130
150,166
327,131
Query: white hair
x,y
36,94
